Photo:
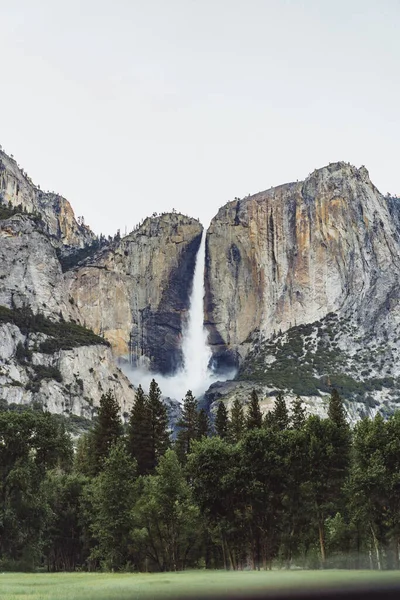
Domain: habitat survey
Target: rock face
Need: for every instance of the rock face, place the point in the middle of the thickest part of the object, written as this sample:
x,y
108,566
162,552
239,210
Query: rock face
x,y
64,382
302,294
324,252
58,217
137,293
30,272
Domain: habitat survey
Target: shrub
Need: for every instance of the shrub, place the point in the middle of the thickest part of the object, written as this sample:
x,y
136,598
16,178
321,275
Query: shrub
x,y
62,335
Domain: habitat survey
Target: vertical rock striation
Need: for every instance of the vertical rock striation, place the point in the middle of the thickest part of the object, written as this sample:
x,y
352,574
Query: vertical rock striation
x,y
136,294
297,252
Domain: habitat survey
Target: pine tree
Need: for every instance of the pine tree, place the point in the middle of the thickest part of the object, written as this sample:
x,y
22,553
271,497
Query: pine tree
x,y
203,424
187,426
113,496
269,419
158,424
84,461
336,412
139,433
237,422
253,416
221,421
107,430
298,417
280,415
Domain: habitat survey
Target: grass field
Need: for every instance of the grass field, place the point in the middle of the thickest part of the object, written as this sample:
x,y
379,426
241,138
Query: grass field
x,y
90,586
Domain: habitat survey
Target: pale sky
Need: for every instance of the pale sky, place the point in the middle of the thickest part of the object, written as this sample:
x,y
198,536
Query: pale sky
x,y
130,107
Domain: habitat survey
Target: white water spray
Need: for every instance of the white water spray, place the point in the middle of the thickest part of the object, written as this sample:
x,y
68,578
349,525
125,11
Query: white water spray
x,y
196,351
194,374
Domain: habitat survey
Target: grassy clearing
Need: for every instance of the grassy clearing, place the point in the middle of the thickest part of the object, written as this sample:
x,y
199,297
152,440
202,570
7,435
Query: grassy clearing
x,y
99,586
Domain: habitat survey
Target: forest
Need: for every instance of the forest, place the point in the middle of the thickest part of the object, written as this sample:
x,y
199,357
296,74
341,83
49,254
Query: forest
x,y
247,491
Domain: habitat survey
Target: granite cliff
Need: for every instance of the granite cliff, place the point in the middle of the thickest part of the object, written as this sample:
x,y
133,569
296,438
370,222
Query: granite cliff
x,y
136,293
56,214
302,294
303,287
45,357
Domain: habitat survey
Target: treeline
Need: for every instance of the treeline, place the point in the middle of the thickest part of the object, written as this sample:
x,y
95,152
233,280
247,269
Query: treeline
x,y
61,334
7,210
248,491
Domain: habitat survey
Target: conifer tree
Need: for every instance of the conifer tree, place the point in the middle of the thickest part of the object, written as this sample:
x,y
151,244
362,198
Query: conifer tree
x,y
188,426
280,415
269,419
84,455
336,412
113,496
139,433
253,416
298,417
221,421
107,429
237,422
203,424
160,440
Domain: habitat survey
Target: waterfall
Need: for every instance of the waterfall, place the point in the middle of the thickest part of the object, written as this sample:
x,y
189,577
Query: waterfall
x,y
196,351
194,374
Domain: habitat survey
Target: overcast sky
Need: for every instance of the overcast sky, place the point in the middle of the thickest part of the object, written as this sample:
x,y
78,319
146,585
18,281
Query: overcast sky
x,y
128,107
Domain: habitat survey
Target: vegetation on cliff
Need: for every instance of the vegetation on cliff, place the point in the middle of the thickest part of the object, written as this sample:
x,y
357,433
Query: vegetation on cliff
x,y
62,335
308,360
7,211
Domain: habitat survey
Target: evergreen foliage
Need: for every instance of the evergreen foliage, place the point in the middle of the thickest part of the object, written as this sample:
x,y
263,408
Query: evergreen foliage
x,y
203,424
159,433
221,421
112,495
167,518
63,335
280,414
298,417
315,494
188,426
236,425
139,433
253,415
107,431
336,412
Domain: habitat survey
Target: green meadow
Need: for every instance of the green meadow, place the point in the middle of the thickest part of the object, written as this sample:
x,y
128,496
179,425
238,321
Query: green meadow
x,y
99,586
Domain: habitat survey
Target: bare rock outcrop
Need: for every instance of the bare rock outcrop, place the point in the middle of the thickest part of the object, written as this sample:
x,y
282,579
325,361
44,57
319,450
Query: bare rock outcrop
x,y
30,272
55,211
137,293
295,253
302,287
64,382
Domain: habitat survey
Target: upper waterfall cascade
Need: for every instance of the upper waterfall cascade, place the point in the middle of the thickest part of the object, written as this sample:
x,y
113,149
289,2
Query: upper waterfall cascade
x,y
196,352
195,374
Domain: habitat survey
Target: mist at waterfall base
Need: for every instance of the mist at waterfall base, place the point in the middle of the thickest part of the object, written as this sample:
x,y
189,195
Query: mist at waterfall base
x,y
196,373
